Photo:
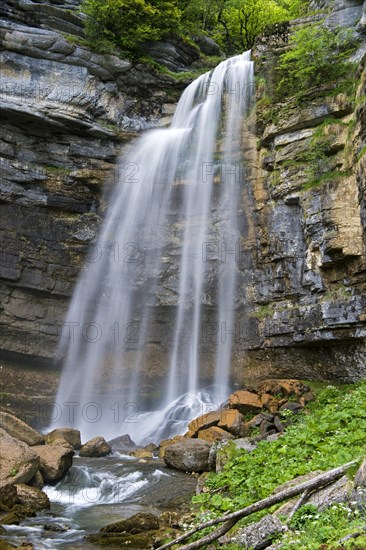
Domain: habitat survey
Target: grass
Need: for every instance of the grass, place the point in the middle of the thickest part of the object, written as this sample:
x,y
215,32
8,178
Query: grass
x,y
332,175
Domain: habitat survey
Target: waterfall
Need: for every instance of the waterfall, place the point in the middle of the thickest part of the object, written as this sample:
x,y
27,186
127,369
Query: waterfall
x,y
170,235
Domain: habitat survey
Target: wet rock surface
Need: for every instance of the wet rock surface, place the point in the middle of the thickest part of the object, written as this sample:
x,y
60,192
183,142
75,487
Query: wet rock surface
x,y
19,429
190,455
19,462
66,114
32,497
55,460
307,246
70,435
96,447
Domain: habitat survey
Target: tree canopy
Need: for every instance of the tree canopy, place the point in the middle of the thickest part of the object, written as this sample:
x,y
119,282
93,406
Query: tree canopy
x,y
127,23
234,24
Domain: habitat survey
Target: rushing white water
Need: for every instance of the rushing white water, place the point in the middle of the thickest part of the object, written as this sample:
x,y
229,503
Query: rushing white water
x,y
109,321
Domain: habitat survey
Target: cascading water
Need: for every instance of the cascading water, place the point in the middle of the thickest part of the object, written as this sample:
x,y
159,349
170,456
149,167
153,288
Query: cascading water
x,y
170,184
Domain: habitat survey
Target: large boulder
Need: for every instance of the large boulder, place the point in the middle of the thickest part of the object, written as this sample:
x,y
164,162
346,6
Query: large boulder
x,y
96,447
229,420
19,429
18,461
232,421
71,435
36,481
175,53
214,434
258,535
18,514
55,461
207,45
245,402
189,455
8,496
285,388
138,532
122,443
61,442
32,497
134,524
202,422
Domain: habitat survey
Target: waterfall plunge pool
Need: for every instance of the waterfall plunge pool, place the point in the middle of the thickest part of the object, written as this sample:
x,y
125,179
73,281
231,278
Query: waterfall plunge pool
x,y
99,491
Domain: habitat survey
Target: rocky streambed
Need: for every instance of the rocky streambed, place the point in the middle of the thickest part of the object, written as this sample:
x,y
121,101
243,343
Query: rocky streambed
x,y
97,492
57,493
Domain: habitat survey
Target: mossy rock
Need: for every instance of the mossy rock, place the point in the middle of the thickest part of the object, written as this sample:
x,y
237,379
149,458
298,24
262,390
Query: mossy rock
x,y
135,524
17,514
141,541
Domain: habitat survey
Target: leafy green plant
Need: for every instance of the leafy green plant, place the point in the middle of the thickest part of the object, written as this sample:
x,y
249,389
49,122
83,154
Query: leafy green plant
x,y
13,472
127,23
332,433
114,25
310,529
317,56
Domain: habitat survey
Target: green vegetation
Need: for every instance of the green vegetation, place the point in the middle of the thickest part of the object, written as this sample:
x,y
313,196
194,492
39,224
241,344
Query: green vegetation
x,y
310,529
361,153
235,24
124,24
330,433
318,56
57,170
332,175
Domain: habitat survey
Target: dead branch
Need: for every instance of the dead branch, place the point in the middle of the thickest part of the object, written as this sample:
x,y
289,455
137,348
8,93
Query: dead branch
x,y
298,504
230,520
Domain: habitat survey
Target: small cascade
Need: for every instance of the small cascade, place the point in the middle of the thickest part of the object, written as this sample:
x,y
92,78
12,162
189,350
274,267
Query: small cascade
x,y
174,214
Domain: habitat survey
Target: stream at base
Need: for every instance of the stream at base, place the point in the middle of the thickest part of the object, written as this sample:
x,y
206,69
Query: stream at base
x,y
99,491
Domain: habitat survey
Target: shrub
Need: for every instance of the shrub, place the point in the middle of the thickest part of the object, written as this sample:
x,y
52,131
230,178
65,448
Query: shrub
x,y
128,23
318,56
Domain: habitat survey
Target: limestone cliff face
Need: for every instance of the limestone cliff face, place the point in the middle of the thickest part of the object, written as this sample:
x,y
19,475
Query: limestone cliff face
x,y
66,112
306,293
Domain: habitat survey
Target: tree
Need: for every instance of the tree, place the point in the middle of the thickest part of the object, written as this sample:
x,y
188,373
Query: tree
x,y
235,24
128,23
244,20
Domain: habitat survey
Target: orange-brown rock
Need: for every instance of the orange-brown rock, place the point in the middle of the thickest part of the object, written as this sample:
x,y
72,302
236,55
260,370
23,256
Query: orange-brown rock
x,y
282,387
214,434
245,402
231,420
269,402
202,422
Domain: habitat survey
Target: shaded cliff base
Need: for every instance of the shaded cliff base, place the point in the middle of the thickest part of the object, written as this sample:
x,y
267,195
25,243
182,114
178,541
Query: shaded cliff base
x,y
28,388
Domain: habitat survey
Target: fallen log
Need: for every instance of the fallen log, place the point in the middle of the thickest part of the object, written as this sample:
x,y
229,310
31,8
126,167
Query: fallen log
x,y
229,520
